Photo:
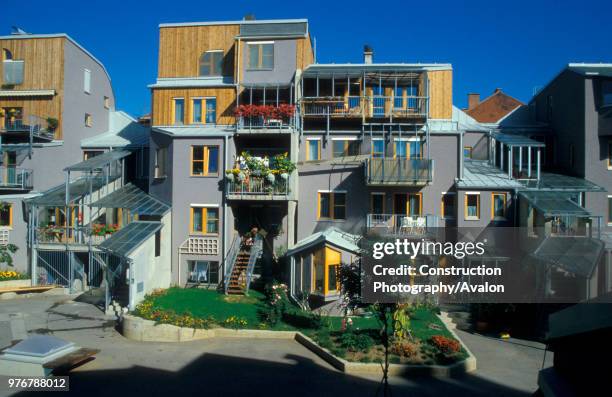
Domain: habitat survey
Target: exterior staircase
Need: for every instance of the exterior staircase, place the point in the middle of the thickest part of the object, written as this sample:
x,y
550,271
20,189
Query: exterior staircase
x,y
237,279
458,314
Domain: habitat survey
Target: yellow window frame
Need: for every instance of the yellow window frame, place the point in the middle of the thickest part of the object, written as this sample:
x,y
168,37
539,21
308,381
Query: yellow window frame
x,y
330,258
308,140
173,113
384,199
442,212
465,207
505,197
10,224
204,161
204,211
332,205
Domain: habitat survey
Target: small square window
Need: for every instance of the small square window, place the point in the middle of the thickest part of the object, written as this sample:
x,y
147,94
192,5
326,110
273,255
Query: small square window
x,y
106,102
472,206
87,81
88,120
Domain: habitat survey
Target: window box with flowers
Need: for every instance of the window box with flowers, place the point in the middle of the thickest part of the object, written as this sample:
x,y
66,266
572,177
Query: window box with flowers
x,y
254,175
265,116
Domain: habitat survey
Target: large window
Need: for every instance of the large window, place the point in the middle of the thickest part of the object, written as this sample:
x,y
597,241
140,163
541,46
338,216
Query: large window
x,y
313,149
606,93
6,215
12,71
261,55
345,147
412,149
472,206
204,160
206,272
325,267
204,220
377,203
378,148
211,63
204,110
408,204
332,205
498,206
178,110
448,205
161,160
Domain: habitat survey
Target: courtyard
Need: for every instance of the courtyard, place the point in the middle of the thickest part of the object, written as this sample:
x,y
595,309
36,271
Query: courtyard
x,y
230,367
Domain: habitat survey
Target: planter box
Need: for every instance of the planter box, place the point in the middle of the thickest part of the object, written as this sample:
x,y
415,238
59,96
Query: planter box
x,y
15,283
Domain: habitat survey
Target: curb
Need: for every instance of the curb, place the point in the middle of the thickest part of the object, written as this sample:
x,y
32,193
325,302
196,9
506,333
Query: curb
x,y
142,330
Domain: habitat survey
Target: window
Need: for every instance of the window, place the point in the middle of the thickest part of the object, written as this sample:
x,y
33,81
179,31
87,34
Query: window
x,y
498,206
87,81
204,160
204,110
203,272
377,203
178,110
332,205
158,243
325,266
204,220
610,210
106,102
261,55
12,72
448,205
472,206
211,63
405,148
408,204
161,157
313,149
88,120
467,152
88,154
7,55
571,155
345,147
606,93
6,215
378,148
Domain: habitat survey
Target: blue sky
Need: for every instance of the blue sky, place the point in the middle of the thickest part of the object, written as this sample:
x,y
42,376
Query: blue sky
x,y
517,46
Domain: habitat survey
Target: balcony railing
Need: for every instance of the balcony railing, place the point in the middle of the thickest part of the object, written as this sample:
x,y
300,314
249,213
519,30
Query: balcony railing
x,y
16,178
68,235
258,187
402,225
365,106
259,122
398,171
38,126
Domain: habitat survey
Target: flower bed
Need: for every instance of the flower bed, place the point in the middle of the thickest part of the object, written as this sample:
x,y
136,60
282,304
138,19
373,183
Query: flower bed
x,y
7,275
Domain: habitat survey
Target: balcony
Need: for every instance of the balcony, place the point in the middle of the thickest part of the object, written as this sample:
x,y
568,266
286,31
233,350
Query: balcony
x,y
365,106
264,118
16,178
80,235
258,188
402,225
39,127
398,171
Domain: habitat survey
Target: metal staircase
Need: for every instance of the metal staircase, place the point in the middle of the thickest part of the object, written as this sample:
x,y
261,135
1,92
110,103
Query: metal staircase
x,y
241,273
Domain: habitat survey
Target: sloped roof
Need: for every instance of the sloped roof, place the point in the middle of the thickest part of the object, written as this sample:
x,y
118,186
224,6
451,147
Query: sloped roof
x,y
134,199
123,132
333,236
494,108
126,240
99,162
576,255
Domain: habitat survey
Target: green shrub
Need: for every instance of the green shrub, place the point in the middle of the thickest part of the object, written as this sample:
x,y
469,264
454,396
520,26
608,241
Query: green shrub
x,y
356,341
303,319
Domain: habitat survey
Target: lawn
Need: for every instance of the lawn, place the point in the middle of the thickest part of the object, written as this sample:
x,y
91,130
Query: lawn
x,y
200,308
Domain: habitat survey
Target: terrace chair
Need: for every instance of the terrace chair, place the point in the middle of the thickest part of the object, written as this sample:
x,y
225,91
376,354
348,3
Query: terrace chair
x,y
421,224
408,225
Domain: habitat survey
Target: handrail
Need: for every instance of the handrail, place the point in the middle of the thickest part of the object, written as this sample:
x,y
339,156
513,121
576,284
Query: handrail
x,y
16,177
256,252
230,260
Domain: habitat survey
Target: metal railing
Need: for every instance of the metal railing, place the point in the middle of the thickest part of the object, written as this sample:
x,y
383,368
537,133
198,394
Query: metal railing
x,y
69,235
367,106
402,225
260,122
574,226
259,185
13,177
230,260
397,171
36,125
256,253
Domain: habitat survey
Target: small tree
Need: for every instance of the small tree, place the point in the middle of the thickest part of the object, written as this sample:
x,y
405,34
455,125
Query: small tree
x,y
6,253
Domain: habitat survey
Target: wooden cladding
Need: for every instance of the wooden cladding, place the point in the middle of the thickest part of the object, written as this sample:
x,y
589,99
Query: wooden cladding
x,y
180,48
440,94
163,104
304,53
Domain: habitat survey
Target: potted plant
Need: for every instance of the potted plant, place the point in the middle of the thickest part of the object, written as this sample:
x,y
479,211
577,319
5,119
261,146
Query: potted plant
x,y
52,123
270,177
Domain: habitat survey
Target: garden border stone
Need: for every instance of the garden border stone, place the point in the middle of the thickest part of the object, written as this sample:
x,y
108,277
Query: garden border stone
x,y
16,283
143,330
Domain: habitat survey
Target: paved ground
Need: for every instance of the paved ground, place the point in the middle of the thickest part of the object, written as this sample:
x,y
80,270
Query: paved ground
x,y
243,366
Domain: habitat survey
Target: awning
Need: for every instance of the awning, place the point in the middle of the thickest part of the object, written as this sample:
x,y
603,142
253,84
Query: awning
x,y
22,93
134,199
516,140
577,255
558,182
126,240
99,162
56,196
554,203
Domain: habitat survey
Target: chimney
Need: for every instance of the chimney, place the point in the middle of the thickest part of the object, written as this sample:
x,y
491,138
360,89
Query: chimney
x,y
249,17
473,100
495,91
368,54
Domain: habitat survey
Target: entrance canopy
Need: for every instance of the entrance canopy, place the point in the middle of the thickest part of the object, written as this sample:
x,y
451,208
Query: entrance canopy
x,y
126,240
134,199
554,203
56,196
515,140
577,255
99,162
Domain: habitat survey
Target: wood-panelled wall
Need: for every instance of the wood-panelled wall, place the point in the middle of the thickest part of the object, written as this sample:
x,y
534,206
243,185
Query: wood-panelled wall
x,y
43,70
163,98
441,94
180,48
304,53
